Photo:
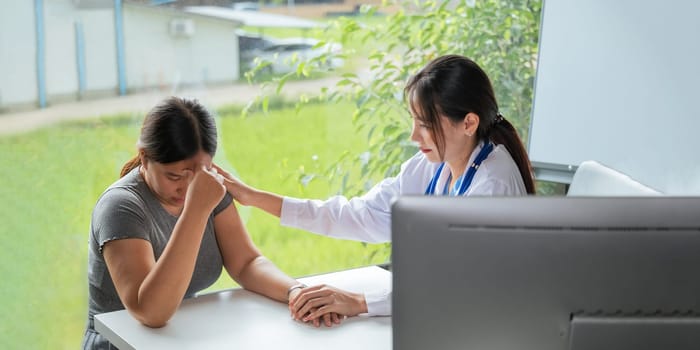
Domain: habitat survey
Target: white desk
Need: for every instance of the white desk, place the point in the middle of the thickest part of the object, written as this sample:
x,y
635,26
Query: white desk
x,y
239,319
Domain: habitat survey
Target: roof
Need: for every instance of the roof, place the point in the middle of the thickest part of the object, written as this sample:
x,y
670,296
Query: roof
x,y
253,18
176,11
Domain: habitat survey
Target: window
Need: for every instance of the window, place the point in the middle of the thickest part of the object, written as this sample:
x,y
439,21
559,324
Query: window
x,y
308,146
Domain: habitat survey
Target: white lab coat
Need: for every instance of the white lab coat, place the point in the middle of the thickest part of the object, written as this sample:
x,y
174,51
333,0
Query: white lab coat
x,y
368,218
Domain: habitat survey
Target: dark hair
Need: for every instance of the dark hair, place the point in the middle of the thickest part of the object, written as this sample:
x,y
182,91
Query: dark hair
x,y
454,86
174,130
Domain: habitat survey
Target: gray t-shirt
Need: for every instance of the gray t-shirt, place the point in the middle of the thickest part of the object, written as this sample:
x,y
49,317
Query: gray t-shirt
x,y
128,209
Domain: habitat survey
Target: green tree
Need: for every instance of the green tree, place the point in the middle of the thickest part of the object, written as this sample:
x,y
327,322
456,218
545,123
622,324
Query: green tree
x,y
500,35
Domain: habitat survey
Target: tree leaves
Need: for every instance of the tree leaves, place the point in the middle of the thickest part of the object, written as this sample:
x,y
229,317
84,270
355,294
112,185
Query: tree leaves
x,y
500,35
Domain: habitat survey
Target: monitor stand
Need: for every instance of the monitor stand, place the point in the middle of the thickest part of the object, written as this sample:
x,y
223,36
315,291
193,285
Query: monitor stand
x,y
635,333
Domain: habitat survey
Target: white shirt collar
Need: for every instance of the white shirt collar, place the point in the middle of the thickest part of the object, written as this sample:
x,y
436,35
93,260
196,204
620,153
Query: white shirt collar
x,y
445,174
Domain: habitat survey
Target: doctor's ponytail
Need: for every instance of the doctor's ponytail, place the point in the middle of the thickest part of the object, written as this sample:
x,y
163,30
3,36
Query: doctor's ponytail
x,y
502,132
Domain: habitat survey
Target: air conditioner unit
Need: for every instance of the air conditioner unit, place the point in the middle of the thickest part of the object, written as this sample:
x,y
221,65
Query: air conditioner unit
x,y
93,4
182,27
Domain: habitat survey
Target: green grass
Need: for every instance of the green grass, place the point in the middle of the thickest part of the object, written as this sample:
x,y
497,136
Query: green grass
x,y
51,179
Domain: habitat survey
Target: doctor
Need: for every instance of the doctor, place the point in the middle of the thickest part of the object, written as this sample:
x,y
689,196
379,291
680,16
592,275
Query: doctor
x,y
467,148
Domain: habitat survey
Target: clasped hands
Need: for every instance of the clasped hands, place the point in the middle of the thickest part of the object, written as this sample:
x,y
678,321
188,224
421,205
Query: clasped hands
x,y
323,303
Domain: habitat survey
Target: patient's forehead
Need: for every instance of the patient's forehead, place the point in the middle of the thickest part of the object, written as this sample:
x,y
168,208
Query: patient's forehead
x,y
191,164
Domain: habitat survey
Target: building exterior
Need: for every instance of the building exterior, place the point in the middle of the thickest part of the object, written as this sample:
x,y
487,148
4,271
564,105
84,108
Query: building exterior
x,y
58,50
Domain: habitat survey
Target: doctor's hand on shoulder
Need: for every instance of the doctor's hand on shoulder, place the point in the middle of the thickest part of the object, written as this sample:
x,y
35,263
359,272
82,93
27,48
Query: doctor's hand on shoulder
x,y
248,195
237,188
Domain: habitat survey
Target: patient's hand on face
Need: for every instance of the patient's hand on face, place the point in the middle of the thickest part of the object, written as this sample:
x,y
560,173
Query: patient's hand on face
x,y
310,304
205,189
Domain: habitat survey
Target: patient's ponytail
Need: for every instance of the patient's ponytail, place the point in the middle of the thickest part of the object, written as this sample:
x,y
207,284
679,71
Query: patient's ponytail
x,y
130,165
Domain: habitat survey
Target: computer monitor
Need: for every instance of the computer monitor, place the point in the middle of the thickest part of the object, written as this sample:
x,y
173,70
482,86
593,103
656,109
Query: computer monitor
x,y
546,273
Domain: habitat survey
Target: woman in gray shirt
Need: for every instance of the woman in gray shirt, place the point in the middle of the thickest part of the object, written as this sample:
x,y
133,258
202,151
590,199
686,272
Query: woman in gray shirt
x,y
166,228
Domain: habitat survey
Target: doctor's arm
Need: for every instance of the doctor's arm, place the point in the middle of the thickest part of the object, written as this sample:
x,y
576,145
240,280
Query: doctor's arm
x,y
366,218
250,196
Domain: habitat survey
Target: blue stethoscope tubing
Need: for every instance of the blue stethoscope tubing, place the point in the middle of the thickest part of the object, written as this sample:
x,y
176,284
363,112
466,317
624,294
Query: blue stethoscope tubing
x,y
466,179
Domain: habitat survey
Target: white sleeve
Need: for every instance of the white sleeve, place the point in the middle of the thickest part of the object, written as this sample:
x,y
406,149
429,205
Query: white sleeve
x,y
366,218
378,303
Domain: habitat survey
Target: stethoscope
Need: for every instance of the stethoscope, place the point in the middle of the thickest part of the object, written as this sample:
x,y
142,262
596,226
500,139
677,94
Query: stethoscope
x,y
464,181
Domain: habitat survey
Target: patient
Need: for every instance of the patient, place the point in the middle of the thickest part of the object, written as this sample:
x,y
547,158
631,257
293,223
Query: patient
x,y
166,228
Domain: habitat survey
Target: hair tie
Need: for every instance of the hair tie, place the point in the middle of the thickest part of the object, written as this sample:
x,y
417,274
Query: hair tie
x,y
499,118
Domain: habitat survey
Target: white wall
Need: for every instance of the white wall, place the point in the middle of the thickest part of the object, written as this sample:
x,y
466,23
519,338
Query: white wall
x,y
155,58
62,80
61,64
216,50
618,82
148,51
18,50
100,50
18,55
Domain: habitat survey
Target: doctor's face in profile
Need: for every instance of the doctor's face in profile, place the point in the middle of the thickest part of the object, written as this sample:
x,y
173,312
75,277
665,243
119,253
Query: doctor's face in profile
x,y
423,134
